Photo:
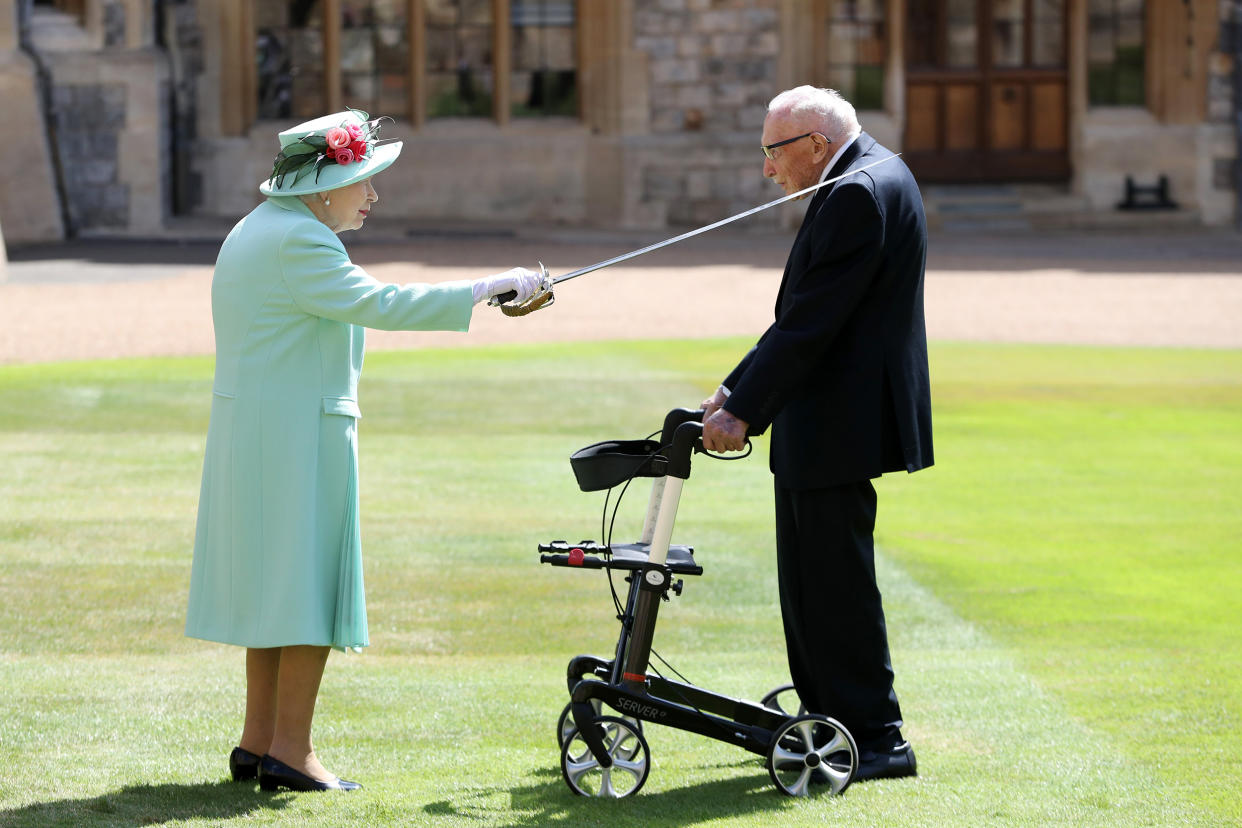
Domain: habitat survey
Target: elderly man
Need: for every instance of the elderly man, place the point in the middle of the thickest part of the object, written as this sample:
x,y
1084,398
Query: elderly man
x,y
841,376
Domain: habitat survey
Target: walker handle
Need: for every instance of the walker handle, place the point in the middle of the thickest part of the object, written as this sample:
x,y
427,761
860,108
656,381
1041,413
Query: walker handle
x,y
687,440
675,418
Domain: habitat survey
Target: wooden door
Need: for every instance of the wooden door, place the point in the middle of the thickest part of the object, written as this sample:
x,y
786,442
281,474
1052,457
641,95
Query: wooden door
x,y
986,90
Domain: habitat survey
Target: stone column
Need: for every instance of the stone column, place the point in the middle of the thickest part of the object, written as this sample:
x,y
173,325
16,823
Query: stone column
x,y
1076,87
8,45
29,203
9,27
895,66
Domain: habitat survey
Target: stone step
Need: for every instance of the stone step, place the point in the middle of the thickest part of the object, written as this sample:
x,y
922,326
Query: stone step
x,y
1009,207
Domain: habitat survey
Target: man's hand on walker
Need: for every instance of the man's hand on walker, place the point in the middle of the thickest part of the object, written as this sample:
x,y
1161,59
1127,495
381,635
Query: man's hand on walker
x,y
724,432
714,402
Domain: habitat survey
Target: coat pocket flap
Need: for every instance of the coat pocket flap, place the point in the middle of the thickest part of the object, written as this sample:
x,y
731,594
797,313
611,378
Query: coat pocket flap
x,y
341,405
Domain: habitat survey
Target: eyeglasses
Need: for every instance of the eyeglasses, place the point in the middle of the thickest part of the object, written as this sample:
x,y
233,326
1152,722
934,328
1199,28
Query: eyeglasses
x,y
767,149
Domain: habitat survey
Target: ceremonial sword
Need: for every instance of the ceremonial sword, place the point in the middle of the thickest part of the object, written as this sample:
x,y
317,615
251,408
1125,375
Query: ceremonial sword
x,y
544,296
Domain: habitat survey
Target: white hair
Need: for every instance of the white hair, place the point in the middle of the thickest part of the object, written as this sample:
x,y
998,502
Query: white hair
x,y
824,110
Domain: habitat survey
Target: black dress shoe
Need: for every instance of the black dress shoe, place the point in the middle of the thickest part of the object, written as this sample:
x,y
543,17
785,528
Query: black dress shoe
x,y
275,774
893,763
243,764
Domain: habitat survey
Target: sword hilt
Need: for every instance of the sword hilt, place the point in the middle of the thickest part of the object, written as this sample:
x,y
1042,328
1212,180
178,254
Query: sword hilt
x,y
539,300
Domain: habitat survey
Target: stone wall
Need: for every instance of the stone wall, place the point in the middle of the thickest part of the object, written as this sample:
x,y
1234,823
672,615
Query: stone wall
x,y
90,118
35,214
104,82
713,63
1225,102
182,36
112,128
30,206
709,68
713,67
702,72
1219,175
139,129
1198,158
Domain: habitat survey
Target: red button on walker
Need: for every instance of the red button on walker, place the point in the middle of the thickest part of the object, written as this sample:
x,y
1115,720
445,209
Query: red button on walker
x,y
575,557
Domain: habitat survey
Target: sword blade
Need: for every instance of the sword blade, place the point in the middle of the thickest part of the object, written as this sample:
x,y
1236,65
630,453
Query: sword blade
x,y
633,254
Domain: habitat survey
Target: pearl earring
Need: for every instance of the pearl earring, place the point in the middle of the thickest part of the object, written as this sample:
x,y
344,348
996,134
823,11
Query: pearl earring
x,y
327,201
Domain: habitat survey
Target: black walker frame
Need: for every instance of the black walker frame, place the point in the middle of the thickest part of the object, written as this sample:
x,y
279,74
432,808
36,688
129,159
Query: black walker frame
x,y
603,755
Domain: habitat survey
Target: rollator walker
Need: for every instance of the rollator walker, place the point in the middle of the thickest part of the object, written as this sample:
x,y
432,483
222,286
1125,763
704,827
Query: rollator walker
x,y
605,753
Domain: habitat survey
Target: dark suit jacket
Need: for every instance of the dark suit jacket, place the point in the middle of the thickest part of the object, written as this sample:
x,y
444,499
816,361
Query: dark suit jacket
x,y
841,376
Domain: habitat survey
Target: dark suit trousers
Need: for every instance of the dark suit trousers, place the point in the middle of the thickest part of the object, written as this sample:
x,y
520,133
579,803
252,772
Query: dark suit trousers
x,y
834,620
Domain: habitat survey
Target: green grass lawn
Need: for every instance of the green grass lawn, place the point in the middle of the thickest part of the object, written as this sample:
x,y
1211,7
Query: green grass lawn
x,y
1062,591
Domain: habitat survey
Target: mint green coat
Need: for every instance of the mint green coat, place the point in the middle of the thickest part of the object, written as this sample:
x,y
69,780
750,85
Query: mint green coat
x,y
277,551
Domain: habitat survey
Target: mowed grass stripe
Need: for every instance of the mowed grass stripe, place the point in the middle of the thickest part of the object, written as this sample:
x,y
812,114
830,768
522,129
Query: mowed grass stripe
x,y
463,740
1011,752
1092,684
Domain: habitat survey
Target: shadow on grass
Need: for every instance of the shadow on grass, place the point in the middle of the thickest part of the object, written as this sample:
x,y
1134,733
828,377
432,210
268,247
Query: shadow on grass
x,y
550,802
149,805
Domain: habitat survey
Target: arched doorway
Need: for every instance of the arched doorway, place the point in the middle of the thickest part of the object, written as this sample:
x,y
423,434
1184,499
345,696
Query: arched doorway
x,y
986,92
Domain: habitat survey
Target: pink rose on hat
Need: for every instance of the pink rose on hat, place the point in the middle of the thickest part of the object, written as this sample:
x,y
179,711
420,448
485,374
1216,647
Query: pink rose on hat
x,y
329,152
345,144
338,138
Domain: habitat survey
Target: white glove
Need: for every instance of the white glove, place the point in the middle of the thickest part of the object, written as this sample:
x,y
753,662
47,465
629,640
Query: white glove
x,y
525,282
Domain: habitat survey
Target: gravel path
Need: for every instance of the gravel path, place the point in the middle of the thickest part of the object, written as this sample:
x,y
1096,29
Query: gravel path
x,y
102,299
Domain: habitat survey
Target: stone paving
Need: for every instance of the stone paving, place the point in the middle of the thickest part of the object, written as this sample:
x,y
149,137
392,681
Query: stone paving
x,y
1181,287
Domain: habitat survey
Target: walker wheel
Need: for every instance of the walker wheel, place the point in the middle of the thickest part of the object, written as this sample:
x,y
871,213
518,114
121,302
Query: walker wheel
x,y
630,761
809,752
785,699
565,725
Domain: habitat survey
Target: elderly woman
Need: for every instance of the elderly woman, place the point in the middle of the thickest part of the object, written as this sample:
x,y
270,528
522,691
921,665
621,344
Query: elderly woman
x,y
277,553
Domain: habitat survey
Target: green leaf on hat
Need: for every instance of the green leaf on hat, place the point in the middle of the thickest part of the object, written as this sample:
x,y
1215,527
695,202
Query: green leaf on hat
x,y
299,148
310,152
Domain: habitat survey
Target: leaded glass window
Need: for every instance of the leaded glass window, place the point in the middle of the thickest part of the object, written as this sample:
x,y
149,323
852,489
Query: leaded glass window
x,y
375,56
544,75
289,59
1115,54
459,58
854,51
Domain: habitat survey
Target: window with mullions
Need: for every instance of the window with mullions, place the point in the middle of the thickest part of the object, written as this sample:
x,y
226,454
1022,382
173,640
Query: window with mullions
x,y
375,55
544,60
289,59
1115,56
459,58
1028,33
855,50
363,58
1047,33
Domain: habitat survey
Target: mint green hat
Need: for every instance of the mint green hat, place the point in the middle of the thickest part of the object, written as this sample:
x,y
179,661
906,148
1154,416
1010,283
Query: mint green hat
x,y
329,152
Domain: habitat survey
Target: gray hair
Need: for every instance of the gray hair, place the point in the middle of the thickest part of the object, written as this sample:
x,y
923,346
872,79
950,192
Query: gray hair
x,y
824,110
